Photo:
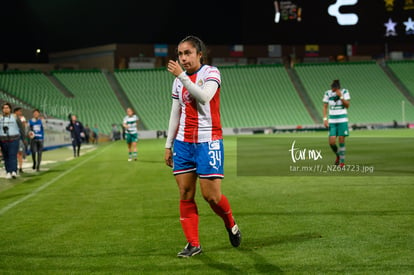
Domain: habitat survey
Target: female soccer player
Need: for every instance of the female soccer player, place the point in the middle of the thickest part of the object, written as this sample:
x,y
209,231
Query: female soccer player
x,y
195,134
131,133
337,100
11,131
36,144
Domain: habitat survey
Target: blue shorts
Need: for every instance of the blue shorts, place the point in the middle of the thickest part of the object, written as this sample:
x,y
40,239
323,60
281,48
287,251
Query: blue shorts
x,y
206,159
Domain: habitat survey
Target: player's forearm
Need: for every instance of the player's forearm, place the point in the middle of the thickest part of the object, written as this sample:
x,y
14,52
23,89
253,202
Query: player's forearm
x,y
346,103
173,124
324,111
201,95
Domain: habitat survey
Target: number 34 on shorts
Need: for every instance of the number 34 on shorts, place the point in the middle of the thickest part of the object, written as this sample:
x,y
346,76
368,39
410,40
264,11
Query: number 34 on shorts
x,y
215,153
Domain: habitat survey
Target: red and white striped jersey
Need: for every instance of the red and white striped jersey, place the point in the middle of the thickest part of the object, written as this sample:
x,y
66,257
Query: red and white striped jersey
x,y
199,122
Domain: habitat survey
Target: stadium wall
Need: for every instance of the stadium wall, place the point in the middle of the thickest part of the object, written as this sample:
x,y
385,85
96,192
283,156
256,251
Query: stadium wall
x,y
117,56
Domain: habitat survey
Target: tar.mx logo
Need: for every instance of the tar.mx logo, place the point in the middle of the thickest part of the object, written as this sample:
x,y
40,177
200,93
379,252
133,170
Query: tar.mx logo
x,y
303,154
344,19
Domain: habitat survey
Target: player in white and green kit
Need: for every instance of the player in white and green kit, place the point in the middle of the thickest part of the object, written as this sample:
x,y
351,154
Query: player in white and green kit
x,y
130,124
335,116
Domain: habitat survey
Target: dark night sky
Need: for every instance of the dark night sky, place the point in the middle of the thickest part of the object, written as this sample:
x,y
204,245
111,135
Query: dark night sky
x,y
55,25
68,24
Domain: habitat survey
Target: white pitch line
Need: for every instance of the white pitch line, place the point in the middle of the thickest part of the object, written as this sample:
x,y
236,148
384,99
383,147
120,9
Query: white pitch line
x,y
40,188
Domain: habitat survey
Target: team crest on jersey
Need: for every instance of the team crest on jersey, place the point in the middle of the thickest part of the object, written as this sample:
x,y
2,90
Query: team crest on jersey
x,y
187,98
214,145
200,82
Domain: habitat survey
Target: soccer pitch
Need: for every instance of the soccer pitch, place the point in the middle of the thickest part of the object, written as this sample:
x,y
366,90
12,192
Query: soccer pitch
x,y
101,214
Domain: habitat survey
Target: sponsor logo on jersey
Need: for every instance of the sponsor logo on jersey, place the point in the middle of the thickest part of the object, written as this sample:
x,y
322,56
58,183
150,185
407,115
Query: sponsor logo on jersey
x,y
187,98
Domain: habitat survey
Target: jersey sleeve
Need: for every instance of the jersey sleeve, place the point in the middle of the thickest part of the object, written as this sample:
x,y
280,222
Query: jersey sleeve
x,y
346,95
213,74
325,98
175,89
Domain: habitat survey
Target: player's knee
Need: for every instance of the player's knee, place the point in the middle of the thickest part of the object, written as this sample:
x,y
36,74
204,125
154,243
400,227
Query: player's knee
x,y
212,198
186,193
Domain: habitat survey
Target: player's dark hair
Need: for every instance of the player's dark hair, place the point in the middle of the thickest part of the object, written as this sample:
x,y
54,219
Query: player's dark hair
x,y
6,103
335,84
36,110
17,109
198,44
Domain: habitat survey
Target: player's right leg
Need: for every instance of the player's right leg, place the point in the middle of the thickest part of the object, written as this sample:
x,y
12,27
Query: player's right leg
x,y
342,133
186,178
332,140
39,154
342,151
74,147
129,148
33,149
188,213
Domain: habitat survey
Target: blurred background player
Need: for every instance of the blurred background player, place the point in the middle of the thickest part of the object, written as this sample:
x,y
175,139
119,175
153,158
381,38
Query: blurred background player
x,y
21,154
77,133
37,137
95,134
335,116
130,125
195,129
11,131
87,131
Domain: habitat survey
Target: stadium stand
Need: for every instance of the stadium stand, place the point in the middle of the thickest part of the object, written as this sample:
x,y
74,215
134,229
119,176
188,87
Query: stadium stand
x,y
374,97
404,70
32,88
4,97
149,90
94,100
254,96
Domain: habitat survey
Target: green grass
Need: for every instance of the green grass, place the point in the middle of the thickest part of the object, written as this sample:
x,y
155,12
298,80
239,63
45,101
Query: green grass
x,y
102,214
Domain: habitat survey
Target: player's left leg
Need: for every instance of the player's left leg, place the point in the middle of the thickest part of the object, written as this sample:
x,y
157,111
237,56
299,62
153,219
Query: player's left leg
x,y
342,133
341,150
210,162
134,150
133,138
211,191
33,149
